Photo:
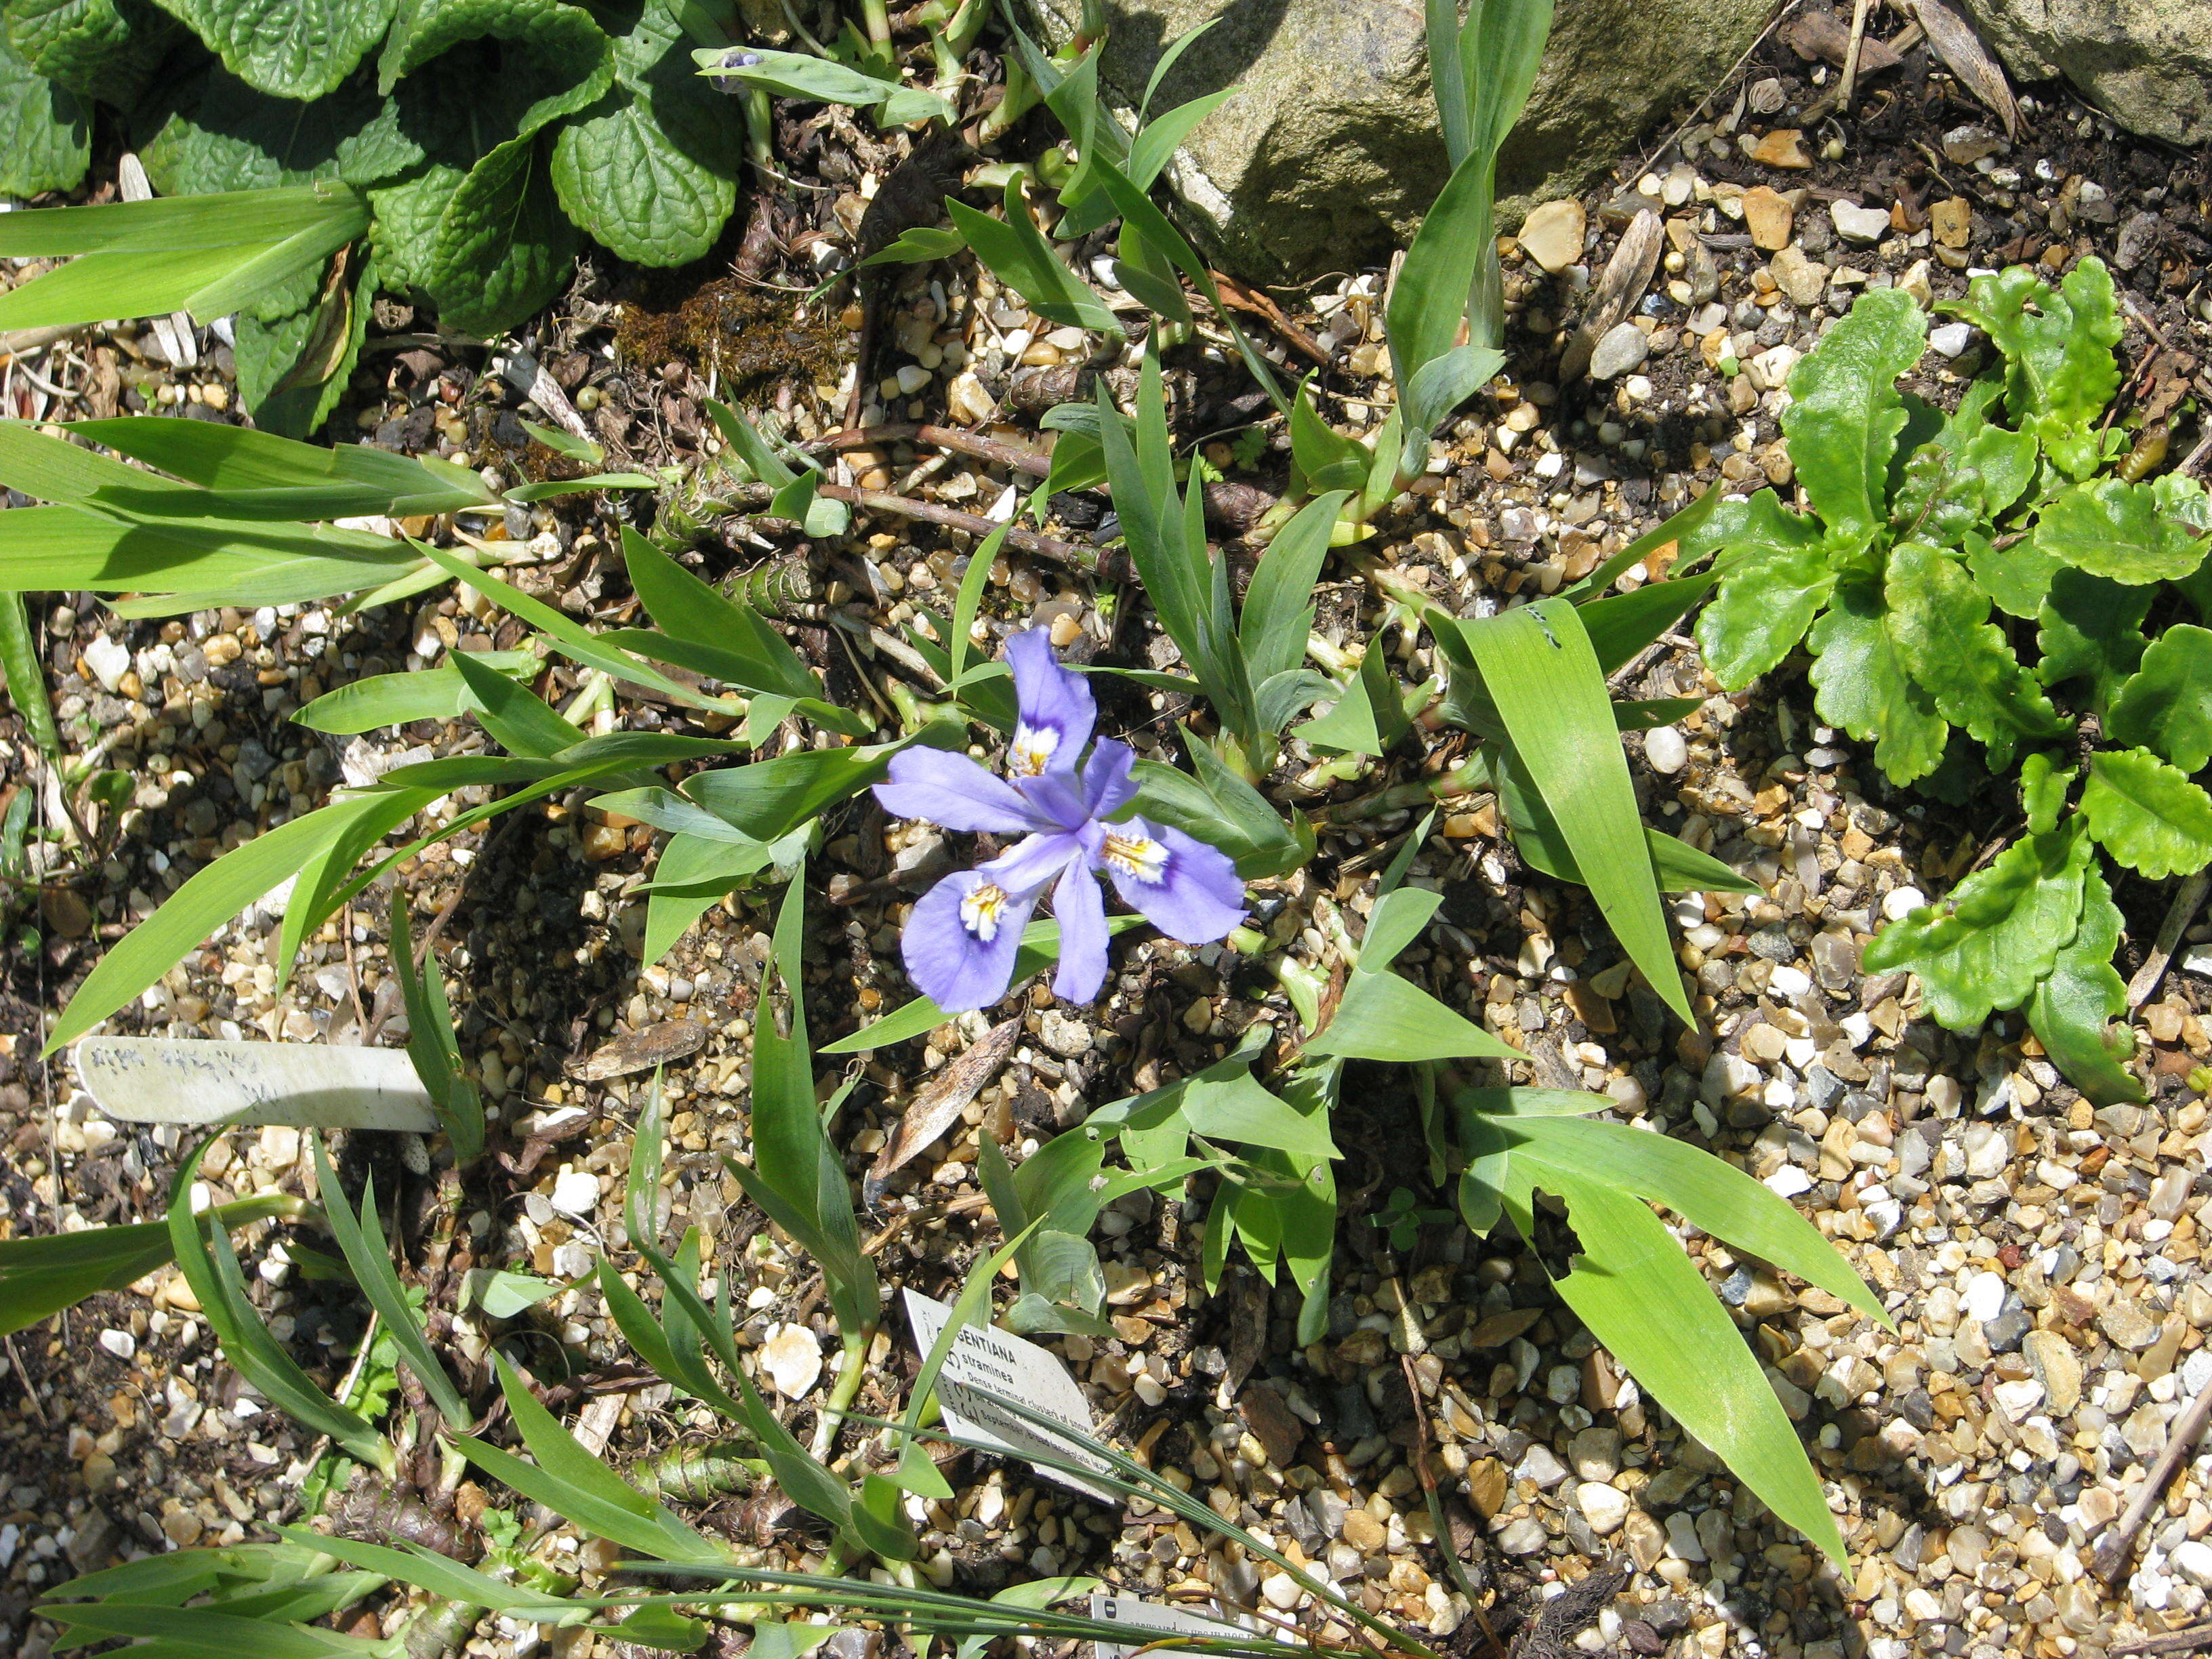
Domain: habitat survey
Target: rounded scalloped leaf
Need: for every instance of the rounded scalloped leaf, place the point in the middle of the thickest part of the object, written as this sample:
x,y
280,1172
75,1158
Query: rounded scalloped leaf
x,y
1862,684
560,60
1939,621
2146,814
95,48
2167,704
1762,609
1846,412
1987,945
503,247
300,49
2129,532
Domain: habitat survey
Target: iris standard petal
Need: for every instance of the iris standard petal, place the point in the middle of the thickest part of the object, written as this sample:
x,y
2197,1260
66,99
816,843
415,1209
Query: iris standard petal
x,y
1033,863
1188,890
960,938
1106,786
952,790
1080,909
1053,708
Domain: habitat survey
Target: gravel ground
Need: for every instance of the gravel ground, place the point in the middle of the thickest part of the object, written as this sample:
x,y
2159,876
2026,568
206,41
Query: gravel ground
x,y
2040,1258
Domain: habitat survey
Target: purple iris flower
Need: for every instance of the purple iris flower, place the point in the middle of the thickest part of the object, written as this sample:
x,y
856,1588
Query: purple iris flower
x,y
960,941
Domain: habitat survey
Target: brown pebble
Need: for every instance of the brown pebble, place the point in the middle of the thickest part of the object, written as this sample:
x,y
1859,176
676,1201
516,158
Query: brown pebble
x,y
1784,147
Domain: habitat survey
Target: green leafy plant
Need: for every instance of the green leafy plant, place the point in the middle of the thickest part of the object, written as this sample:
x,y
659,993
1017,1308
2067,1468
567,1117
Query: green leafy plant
x,y
315,152
1984,581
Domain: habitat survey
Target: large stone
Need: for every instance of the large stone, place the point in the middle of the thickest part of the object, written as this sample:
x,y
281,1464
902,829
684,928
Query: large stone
x,y
1330,153
2146,63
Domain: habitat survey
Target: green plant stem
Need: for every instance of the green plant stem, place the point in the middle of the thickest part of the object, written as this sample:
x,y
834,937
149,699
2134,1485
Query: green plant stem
x,y
1457,781
760,128
695,1473
1021,97
876,18
850,1370
440,1629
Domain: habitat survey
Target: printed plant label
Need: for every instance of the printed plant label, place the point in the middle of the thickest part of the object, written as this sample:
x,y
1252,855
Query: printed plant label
x,y
1118,1609
307,1086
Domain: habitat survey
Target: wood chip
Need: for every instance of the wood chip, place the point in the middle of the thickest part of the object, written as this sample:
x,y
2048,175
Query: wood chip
x,y
1964,55
1627,275
1820,34
664,1044
933,1111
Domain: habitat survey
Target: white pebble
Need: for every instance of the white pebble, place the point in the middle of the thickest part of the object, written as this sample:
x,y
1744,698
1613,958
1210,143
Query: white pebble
x,y
1788,1181
1952,338
1603,1507
108,661
576,1193
1901,902
1664,748
1983,1297
1788,981
121,1344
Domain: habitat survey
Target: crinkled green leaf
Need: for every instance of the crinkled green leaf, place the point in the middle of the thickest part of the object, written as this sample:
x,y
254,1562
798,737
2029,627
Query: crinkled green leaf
x,y
1940,621
2058,343
2069,1010
1864,685
2146,814
46,133
650,170
219,134
1761,609
2167,705
102,48
1938,498
2043,790
1845,412
515,65
2090,628
1987,945
503,248
289,48
2130,532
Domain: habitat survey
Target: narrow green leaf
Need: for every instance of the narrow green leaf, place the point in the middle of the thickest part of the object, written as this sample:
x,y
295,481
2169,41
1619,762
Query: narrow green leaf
x,y
1537,666
1278,612
426,694
1641,1297
1382,1017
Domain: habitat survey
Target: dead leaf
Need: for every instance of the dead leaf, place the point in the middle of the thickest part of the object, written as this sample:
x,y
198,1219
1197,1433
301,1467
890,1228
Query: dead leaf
x,y
664,1044
1820,33
1627,274
932,1112
1964,55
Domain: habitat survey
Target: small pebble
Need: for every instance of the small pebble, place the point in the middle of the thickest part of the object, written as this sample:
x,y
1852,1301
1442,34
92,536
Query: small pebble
x,y
1665,749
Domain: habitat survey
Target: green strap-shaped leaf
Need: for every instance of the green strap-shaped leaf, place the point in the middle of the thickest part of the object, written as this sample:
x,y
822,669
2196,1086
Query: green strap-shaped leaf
x,y
2146,814
1538,667
1862,684
1845,412
2069,1010
1653,1310
650,170
48,144
2090,628
1939,621
298,49
2058,343
2167,704
2130,532
1761,609
41,1273
1382,1017
1996,936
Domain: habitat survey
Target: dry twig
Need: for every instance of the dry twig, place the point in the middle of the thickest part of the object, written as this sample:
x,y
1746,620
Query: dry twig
x,y
2110,1559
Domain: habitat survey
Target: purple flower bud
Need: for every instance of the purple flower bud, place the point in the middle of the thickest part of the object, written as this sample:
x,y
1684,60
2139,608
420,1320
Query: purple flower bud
x,y
735,58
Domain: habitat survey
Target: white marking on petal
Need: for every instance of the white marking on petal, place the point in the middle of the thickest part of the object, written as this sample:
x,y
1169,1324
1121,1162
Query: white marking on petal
x,y
980,910
1032,751
1137,856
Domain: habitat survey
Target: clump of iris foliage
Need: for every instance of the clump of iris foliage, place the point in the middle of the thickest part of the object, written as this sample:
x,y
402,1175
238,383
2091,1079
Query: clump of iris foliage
x,y
1894,563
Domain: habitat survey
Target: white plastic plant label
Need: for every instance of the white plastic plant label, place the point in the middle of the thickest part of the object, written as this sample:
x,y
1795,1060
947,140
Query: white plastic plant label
x,y
304,1085
986,1357
1156,1619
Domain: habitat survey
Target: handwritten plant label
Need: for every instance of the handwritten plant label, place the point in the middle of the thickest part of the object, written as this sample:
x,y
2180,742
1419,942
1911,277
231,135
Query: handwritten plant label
x,y
306,1085
984,1357
1113,1608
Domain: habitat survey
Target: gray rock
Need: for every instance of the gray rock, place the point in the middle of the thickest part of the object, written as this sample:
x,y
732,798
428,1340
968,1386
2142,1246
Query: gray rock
x,y
1329,153
2149,65
2136,237
1623,347
1524,1537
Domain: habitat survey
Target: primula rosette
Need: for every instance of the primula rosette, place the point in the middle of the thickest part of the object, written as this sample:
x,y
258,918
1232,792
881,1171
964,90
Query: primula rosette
x,y
960,941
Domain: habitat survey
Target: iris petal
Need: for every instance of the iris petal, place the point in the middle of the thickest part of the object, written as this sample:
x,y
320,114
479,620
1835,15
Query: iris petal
x,y
1188,890
1106,786
961,939
1054,710
1081,910
953,792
